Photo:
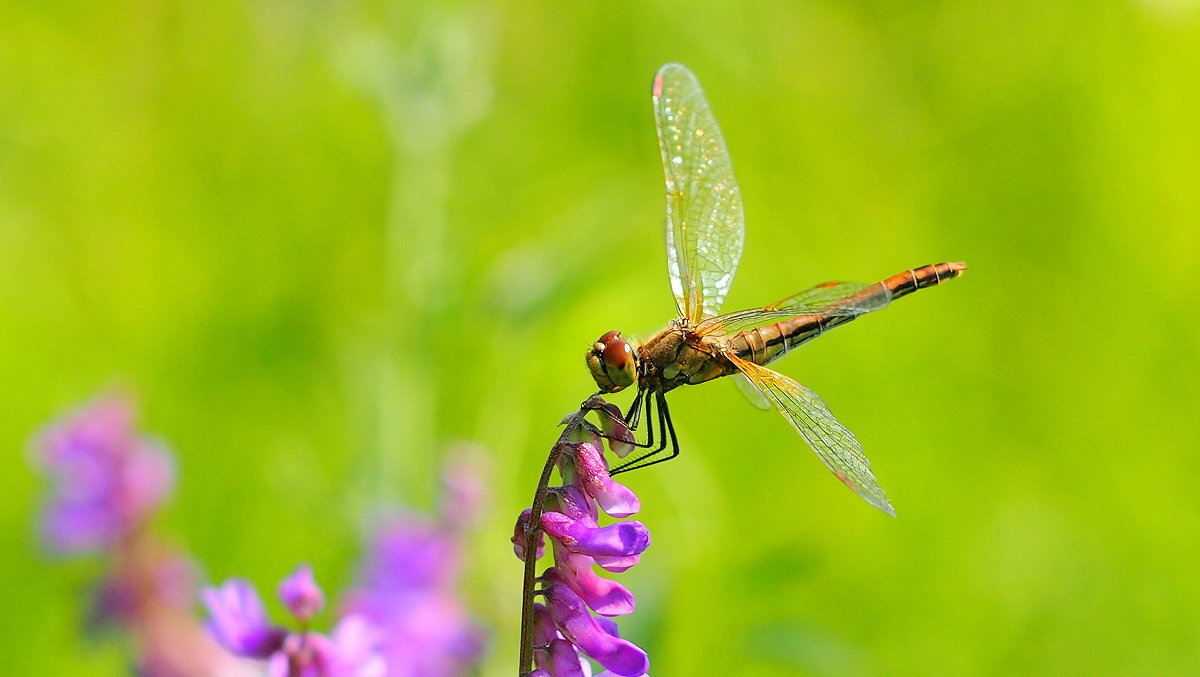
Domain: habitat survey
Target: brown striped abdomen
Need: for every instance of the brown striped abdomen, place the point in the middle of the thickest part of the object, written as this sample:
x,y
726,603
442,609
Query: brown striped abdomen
x,y
770,342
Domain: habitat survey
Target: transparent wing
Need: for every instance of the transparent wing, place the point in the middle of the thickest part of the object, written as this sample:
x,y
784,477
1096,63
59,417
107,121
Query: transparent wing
x,y
834,444
844,296
705,228
832,299
750,391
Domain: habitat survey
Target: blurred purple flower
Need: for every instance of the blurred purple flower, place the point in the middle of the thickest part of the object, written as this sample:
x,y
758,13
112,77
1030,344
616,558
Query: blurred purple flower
x,y
351,650
464,493
564,626
106,483
239,620
240,624
146,575
406,587
406,584
106,480
301,595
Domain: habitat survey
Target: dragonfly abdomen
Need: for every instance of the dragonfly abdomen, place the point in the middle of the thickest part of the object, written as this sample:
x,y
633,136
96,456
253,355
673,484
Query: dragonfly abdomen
x,y
902,284
767,343
762,345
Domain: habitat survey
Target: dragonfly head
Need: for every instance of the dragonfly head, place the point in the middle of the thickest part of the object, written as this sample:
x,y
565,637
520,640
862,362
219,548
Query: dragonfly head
x,y
611,360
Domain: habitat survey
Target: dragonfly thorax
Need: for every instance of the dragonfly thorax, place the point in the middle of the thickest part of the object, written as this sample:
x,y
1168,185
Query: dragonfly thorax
x,y
612,362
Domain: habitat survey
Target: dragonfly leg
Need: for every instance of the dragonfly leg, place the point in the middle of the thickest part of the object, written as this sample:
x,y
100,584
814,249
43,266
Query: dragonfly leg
x,y
649,423
666,429
635,412
634,416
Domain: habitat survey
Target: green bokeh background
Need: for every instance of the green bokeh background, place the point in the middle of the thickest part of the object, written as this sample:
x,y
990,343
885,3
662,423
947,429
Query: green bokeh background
x,y
324,242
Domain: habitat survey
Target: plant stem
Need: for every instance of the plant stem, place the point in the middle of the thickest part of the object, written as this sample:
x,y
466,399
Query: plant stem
x,y
533,530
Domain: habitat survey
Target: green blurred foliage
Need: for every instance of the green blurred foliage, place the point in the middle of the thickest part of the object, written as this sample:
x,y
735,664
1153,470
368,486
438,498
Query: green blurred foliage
x,y
323,241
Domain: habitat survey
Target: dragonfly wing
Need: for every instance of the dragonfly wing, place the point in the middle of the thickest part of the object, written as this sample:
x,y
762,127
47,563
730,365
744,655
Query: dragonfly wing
x,y
705,227
750,391
834,444
836,297
832,299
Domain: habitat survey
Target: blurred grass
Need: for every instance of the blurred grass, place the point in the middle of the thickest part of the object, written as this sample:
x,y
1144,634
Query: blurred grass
x,y
325,240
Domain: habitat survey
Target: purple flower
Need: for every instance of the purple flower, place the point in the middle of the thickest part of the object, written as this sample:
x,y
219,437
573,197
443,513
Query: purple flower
x,y
106,483
571,617
612,427
464,493
349,652
402,617
579,543
564,627
107,480
240,624
562,660
410,552
301,594
581,535
554,656
239,620
588,470
605,596
519,532
149,576
406,587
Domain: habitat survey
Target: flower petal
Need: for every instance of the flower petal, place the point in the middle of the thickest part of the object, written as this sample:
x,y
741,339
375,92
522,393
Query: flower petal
x,y
147,478
617,564
544,631
279,665
612,426
562,659
572,502
519,539
464,492
604,596
239,620
301,595
106,480
616,499
408,587
611,628
351,651
576,624
622,539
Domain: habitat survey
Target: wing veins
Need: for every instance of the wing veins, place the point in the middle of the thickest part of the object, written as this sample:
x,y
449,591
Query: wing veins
x,y
833,443
705,228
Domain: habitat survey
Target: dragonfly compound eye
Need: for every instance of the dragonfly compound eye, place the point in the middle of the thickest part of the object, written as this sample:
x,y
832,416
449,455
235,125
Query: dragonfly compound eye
x,y
611,362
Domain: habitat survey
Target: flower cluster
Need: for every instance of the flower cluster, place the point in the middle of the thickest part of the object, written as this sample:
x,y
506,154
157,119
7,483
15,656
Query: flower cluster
x,y
565,626
107,481
240,624
406,584
106,484
406,589
401,618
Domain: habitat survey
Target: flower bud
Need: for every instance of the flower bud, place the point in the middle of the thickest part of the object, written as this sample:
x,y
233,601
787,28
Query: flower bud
x,y
301,595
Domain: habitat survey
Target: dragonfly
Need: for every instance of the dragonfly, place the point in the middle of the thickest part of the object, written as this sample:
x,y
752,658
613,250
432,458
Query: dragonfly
x,y
705,232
